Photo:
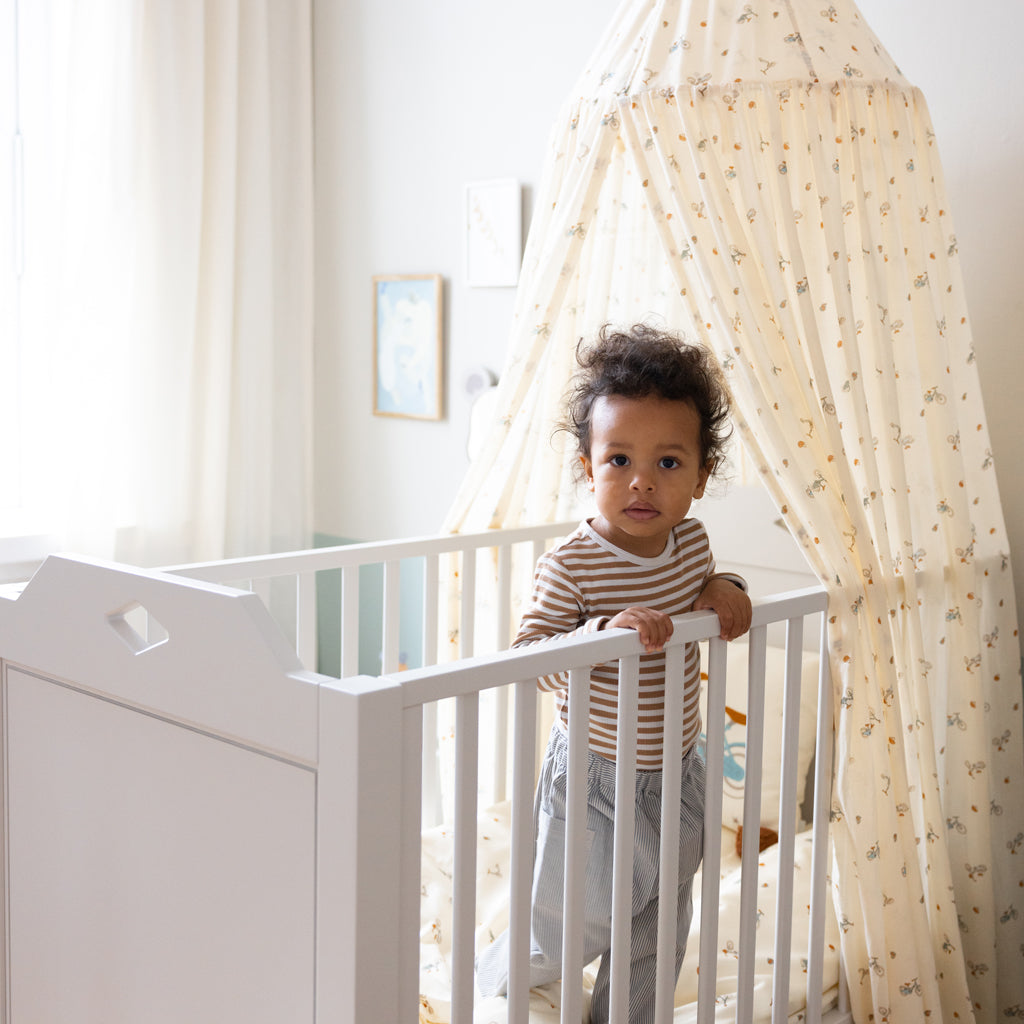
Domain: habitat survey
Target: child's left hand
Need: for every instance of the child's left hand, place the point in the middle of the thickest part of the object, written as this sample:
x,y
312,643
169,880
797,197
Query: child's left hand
x,y
730,603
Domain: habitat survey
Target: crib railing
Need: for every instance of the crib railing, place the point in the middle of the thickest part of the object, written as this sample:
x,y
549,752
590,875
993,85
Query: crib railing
x,y
296,571
467,679
461,574
221,676
508,557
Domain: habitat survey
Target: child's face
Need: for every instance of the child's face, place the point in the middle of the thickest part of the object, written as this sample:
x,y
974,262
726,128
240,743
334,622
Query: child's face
x,y
645,469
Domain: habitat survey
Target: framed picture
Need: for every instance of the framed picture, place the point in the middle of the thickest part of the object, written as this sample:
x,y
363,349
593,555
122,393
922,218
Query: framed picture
x,y
407,354
494,233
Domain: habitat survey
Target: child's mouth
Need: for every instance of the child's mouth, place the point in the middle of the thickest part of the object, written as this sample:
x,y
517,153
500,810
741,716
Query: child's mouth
x,y
641,513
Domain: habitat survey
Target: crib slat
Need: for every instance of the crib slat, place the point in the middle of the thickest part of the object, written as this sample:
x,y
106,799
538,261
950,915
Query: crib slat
x,y
305,619
410,864
467,606
430,768
625,819
390,644
751,823
499,753
431,803
349,630
575,855
714,756
504,604
432,810
819,856
467,726
787,813
501,694
521,865
669,853
430,614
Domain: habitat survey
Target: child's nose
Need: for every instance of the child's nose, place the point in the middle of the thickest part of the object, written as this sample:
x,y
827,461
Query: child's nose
x,y
642,481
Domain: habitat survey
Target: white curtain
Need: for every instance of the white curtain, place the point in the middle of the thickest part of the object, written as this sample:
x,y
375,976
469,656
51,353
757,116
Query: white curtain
x,y
67,446
167,314
789,175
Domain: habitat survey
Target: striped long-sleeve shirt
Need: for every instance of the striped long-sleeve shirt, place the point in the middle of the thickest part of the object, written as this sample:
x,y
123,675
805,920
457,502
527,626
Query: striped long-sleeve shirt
x,y
580,585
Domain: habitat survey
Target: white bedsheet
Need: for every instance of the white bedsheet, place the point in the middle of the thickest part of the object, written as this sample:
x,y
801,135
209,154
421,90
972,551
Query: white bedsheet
x,y
492,917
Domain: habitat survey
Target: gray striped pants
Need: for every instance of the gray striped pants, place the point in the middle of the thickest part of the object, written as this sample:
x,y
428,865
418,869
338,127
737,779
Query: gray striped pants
x,y
549,878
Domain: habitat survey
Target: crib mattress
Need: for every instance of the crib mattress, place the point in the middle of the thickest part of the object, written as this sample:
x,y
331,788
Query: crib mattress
x,y
492,917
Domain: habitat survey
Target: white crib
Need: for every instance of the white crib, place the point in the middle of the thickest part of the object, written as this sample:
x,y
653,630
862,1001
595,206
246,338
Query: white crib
x,y
198,828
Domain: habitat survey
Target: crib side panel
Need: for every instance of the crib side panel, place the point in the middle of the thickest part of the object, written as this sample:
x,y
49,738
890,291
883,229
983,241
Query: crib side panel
x,y
194,652
159,787
154,871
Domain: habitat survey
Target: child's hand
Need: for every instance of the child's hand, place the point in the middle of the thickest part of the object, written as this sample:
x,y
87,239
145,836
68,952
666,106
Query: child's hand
x,y
654,627
731,605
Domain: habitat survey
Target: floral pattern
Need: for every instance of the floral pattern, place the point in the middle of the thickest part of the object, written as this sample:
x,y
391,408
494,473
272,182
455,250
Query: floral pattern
x,y
492,908
762,175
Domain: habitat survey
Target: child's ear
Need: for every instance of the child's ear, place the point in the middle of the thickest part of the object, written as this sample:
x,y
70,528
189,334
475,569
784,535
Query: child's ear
x,y
588,469
703,476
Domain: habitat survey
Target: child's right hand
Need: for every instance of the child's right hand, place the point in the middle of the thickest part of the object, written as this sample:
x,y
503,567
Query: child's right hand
x,y
654,627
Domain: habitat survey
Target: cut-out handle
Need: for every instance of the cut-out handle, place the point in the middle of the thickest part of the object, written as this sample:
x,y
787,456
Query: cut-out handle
x,y
138,628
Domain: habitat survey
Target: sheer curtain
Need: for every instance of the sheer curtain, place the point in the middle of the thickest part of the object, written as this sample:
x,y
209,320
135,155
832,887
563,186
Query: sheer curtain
x,y
69,348
790,175
166,305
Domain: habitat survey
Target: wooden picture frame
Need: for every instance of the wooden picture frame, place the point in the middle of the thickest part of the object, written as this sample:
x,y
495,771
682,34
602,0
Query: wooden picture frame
x,y
407,346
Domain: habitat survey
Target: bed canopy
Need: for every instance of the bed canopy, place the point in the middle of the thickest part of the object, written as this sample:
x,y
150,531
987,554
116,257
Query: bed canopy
x,y
762,176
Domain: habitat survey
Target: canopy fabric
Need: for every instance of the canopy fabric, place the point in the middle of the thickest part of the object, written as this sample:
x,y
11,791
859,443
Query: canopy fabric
x,y
762,176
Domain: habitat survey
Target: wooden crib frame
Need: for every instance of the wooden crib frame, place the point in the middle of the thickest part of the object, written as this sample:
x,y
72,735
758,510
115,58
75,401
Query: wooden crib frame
x,y
196,827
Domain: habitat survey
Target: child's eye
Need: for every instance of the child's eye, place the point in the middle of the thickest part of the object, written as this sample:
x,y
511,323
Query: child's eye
x,y
668,462
619,460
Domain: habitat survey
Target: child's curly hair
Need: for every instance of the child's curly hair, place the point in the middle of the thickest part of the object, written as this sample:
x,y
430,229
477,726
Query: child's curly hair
x,y
644,360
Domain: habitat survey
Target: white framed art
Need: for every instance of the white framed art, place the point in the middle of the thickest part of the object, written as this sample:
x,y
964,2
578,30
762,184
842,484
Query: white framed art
x,y
493,233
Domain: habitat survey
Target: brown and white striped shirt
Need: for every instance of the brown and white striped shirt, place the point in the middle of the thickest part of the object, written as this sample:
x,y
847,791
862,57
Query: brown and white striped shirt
x,y
580,585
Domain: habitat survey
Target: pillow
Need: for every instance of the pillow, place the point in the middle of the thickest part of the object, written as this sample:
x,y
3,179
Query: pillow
x,y
734,770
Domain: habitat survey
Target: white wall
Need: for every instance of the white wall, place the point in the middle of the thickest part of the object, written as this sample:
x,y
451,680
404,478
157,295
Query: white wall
x,y
416,98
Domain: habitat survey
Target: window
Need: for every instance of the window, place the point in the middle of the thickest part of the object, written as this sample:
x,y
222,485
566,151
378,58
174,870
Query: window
x,y
155,340
65,116
11,211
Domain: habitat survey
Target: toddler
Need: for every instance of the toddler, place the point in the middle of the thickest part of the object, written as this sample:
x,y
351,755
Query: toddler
x,y
650,417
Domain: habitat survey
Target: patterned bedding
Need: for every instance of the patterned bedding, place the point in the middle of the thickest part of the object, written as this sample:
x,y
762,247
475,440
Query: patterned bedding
x,y
492,917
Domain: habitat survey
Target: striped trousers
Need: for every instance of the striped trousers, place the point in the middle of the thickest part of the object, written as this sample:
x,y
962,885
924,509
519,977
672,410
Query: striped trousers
x,y
549,879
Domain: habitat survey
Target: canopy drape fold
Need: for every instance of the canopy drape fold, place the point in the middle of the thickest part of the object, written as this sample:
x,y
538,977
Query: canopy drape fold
x,y
762,176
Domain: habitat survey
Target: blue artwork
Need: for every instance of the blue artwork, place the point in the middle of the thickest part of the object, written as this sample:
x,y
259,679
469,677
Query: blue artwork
x,y
407,355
